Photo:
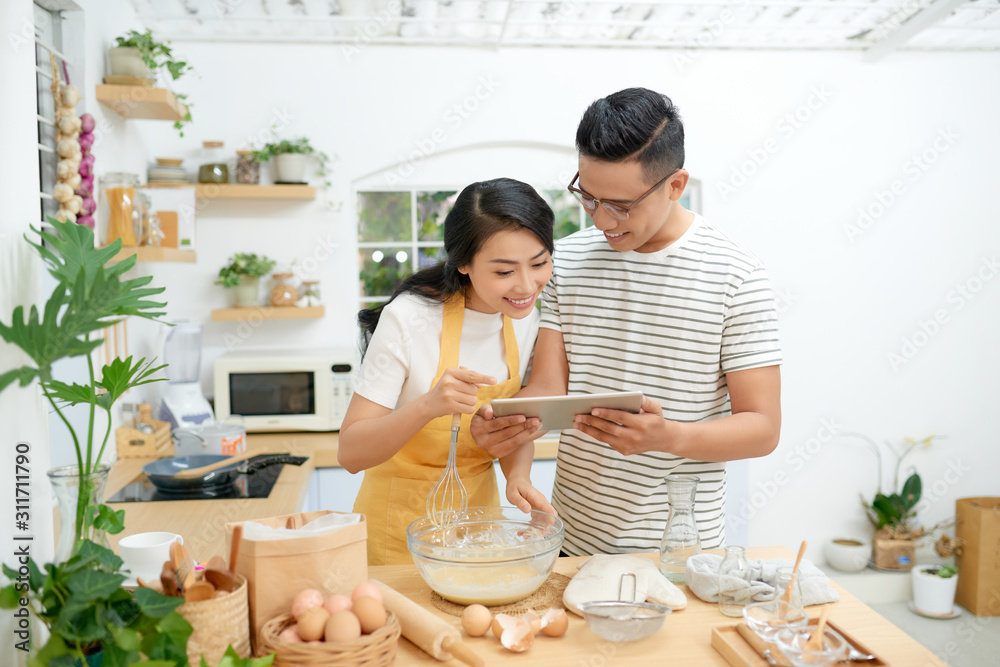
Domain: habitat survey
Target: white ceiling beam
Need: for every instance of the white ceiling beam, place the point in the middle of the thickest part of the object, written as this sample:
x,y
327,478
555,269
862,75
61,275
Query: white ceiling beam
x,y
911,27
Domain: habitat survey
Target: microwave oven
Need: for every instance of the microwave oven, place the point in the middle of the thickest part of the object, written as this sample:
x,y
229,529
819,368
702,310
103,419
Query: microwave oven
x,y
285,390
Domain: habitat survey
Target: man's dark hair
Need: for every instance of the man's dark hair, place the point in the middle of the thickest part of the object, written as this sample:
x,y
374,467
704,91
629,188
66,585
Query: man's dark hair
x,y
634,124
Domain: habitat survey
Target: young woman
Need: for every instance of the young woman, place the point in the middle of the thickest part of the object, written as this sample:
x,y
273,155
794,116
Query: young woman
x,y
451,338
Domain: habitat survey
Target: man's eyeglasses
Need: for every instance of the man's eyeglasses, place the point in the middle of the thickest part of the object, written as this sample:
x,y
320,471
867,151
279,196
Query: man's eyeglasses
x,y
616,211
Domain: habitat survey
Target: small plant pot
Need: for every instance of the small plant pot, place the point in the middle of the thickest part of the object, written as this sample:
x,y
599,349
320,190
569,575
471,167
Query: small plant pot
x,y
245,295
933,594
290,167
126,61
847,554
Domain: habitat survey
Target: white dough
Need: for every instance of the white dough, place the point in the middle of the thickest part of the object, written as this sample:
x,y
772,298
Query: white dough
x,y
600,578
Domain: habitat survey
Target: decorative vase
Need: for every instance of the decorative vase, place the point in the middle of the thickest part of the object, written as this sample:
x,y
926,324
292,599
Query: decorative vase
x,y
290,167
126,61
933,594
77,495
245,294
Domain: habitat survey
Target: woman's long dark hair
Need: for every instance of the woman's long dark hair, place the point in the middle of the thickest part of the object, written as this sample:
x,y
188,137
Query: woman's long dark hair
x,y
481,210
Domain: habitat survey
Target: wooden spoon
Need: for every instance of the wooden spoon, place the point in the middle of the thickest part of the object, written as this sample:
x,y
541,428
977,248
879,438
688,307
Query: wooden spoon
x,y
234,550
198,591
787,595
168,578
815,642
198,472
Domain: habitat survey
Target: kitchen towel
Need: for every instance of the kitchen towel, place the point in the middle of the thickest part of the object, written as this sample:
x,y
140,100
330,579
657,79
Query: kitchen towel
x,y
702,576
608,577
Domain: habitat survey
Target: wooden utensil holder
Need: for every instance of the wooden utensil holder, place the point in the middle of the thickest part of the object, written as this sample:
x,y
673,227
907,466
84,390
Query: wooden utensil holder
x,y
133,443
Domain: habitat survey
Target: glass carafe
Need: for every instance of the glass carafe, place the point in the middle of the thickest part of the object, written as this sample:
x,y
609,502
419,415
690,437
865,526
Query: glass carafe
x,y
734,582
680,537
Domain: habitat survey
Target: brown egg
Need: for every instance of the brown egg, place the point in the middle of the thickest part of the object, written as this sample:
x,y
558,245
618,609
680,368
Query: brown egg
x,y
312,622
554,623
370,612
342,627
336,603
307,599
476,619
366,588
290,635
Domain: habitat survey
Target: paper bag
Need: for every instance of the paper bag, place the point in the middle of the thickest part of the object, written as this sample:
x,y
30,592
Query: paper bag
x,y
977,525
277,570
894,554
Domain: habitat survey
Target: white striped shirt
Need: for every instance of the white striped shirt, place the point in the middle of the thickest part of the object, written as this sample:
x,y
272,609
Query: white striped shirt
x,y
669,323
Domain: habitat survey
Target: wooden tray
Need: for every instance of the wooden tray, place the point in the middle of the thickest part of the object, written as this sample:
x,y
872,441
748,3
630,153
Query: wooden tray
x,y
741,647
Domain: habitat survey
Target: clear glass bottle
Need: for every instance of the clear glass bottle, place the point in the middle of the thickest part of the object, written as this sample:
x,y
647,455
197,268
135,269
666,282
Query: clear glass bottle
x,y
680,537
310,289
213,168
247,168
783,577
117,202
734,582
284,293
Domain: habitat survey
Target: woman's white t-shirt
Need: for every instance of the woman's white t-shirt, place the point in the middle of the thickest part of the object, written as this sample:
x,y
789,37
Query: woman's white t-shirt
x,y
404,352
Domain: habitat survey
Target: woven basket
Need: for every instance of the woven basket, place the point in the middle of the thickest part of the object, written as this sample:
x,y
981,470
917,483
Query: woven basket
x,y
377,649
217,623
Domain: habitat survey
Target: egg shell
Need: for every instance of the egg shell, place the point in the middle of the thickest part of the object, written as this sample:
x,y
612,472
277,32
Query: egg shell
x,y
312,623
554,623
370,612
518,638
366,588
290,635
533,620
502,622
476,619
306,599
336,603
342,627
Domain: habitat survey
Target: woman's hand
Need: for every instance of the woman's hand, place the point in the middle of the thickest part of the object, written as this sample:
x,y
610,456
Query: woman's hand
x,y
525,497
455,392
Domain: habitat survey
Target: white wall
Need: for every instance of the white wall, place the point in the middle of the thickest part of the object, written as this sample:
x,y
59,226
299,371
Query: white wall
x,y
847,302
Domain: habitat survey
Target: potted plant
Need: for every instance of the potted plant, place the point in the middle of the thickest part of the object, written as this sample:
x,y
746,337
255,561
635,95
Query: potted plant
x,y
934,589
140,55
79,596
893,515
290,158
243,273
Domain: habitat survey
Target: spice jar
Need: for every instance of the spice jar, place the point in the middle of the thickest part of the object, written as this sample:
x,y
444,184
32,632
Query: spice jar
x,y
247,168
310,293
213,167
118,200
284,293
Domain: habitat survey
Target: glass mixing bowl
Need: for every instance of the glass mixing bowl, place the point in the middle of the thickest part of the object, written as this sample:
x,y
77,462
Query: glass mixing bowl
x,y
486,555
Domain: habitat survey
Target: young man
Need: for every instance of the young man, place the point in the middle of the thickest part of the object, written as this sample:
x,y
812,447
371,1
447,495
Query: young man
x,y
655,299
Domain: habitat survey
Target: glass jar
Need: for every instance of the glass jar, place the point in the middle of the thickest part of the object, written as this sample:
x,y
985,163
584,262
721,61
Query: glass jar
x,y
140,218
680,536
213,167
734,582
284,293
783,578
310,292
247,168
155,235
117,205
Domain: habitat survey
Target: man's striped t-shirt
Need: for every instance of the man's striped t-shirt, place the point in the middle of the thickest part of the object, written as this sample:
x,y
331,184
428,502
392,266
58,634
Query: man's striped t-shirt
x,y
669,323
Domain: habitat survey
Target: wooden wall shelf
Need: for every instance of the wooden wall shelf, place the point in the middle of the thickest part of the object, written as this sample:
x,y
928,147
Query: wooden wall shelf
x,y
149,254
141,102
264,313
235,191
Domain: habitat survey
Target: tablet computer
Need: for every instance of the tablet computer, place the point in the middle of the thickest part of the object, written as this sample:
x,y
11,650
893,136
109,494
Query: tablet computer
x,y
557,412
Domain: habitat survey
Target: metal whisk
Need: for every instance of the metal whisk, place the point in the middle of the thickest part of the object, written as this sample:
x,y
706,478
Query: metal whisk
x,y
448,497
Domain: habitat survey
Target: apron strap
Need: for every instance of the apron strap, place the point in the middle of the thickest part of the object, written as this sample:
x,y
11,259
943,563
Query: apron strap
x,y
451,331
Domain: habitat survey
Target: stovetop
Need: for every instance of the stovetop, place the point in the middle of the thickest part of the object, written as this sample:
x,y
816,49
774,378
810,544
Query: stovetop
x,y
255,484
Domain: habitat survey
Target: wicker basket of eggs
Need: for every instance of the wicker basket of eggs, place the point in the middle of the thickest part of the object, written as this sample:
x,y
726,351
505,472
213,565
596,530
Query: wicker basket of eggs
x,y
337,630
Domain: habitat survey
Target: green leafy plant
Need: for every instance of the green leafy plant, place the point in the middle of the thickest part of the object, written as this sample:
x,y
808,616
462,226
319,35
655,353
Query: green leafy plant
x,y
88,297
87,610
158,55
244,264
301,146
943,571
232,659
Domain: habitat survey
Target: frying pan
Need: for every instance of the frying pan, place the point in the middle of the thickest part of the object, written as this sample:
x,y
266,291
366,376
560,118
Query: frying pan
x,y
162,473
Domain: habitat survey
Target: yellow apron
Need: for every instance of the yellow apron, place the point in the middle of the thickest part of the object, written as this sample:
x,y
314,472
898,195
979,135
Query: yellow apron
x,y
394,494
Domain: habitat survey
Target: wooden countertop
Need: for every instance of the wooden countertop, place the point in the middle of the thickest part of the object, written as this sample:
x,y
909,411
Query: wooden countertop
x,y
685,638
323,446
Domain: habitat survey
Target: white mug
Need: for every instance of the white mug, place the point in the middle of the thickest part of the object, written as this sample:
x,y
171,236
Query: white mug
x,y
145,553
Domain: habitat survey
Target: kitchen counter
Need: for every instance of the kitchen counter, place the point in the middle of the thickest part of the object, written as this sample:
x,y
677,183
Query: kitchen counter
x,y
685,638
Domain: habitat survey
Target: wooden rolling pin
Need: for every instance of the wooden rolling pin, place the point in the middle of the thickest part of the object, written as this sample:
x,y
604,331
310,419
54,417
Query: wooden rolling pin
x,y
429,633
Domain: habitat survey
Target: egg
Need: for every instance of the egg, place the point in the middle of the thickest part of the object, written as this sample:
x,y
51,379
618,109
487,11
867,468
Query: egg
x,y
476,619
342,626
307,599
290,635
370,612
336,603
554,623
366,588
312,623
502,622
532,619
